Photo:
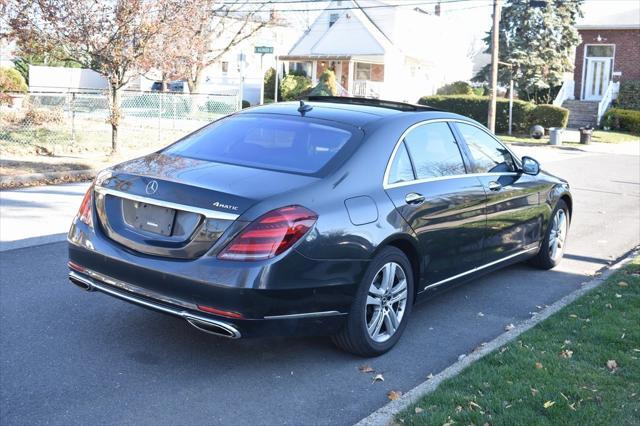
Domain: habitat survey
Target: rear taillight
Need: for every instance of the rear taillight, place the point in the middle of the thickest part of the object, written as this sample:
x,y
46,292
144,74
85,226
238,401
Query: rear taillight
x,y
270,234
84,213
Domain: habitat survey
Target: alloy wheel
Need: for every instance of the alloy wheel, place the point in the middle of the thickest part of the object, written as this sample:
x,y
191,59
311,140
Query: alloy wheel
x,y
386,302
557,235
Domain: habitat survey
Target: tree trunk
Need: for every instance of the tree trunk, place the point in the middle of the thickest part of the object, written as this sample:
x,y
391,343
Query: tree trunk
x,y
197,81
114,118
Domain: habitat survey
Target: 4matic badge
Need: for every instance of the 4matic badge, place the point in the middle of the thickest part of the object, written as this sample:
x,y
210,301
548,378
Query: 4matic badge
x,y
219,205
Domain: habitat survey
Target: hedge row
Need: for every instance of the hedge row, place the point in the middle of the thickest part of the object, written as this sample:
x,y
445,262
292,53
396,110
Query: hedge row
x,y
525,114
627,120
629,96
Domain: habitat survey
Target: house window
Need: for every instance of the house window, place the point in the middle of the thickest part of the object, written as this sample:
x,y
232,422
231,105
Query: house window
x,y
363,71
600,50
225,67
333,18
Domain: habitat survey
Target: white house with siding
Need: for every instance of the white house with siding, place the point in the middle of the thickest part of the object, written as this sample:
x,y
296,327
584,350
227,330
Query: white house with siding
x,y
380,50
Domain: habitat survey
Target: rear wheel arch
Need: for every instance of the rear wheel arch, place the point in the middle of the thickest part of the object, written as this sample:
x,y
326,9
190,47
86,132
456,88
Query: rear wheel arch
x,y
410,249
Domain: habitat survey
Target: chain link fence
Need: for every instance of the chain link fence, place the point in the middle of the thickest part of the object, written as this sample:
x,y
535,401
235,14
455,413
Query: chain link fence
x,y
79,121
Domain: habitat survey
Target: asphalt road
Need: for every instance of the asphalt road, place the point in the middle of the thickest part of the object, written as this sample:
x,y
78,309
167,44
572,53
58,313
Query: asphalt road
x,y
71,357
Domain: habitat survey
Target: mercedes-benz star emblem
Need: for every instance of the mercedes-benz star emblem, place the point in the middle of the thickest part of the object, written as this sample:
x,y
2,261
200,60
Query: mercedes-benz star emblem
x,y
152,187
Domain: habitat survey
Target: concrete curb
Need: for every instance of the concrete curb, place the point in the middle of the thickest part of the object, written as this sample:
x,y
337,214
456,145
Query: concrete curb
x,y
385,415
9,182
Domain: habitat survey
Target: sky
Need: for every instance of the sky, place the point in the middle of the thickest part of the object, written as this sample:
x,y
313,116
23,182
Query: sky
x,y
474,16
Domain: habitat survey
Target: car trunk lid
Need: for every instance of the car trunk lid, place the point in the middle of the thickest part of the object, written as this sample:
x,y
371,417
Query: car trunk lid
x,y
179,207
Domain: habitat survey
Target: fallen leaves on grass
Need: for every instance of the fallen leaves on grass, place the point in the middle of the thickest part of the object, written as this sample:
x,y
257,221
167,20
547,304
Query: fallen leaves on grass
x,y
538,365
618,296
418,410
623,284
393,395
549,404
378,378
534,391
566,353
509,327
366,369
612,364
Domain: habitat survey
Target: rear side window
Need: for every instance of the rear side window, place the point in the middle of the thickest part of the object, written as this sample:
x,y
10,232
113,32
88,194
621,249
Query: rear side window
x,y
401,169
434,151
489,155
283,144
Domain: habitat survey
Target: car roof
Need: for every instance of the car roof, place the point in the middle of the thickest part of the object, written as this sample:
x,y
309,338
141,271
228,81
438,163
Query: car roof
x,y
346,110
357,112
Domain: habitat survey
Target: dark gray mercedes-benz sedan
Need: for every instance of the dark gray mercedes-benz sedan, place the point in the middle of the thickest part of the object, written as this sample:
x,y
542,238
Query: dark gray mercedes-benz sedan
x,y
328,217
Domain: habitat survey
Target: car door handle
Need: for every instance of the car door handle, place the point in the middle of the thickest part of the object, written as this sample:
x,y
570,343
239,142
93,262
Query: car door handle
x,y
494,186
414,198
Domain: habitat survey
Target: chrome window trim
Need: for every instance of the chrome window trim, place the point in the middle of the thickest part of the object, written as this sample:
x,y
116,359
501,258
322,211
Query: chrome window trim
x,y
479,268
387,171
210,214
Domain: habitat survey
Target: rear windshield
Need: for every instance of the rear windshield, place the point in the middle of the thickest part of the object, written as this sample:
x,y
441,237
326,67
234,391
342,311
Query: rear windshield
x,y
283,144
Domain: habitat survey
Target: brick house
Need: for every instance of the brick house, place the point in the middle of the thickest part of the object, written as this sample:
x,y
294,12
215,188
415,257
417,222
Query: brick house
x,y
608,55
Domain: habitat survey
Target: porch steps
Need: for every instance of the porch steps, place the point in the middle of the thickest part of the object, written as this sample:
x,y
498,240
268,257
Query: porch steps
x,y
581,113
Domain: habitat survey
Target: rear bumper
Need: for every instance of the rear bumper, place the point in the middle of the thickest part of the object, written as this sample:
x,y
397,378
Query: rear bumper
x,y
288,295
302,324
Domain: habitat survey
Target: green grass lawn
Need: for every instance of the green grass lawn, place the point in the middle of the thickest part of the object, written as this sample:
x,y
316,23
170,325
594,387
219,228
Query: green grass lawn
x,y
600,136
580,366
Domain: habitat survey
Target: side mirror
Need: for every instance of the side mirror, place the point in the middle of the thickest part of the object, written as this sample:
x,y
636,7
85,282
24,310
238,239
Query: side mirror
x,y
530,166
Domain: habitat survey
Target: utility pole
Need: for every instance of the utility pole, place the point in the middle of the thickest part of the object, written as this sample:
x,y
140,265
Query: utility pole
x,y
495,34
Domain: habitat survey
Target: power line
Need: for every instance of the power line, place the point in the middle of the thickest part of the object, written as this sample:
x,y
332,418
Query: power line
x,y
242,9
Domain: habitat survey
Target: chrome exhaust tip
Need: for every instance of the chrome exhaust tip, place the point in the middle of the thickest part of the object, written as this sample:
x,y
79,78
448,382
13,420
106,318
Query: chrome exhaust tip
x,y
214,327
85,285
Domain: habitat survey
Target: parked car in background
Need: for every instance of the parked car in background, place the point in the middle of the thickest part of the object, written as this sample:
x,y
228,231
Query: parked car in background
x,y
328,217
173,86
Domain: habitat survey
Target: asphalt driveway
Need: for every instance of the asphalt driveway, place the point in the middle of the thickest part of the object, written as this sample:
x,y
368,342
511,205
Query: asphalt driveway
x,y
70,357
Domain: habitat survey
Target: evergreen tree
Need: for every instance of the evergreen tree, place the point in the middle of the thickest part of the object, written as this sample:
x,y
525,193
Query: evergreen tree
x,y
539,39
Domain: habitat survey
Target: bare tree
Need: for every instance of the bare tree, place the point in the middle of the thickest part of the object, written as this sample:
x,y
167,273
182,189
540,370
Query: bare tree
x,y
215,30
109,37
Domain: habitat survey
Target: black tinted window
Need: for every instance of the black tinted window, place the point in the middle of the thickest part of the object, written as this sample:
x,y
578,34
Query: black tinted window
x,y
290,145
401,170
488,154
434,151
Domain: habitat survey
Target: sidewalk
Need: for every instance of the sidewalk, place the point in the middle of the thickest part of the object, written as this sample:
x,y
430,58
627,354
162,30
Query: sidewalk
x,y
38,215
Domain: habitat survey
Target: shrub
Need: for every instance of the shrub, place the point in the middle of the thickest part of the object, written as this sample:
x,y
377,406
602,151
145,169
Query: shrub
x,y
480,91
549,116
476,107
622,119
456,88
326,85
629,96
293,86
40,116
10,81
270,85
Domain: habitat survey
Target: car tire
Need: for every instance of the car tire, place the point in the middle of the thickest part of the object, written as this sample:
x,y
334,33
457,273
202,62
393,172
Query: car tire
x,y
379,306
547,257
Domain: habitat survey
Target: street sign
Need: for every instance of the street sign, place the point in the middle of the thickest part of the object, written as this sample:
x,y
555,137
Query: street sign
x,y
263,49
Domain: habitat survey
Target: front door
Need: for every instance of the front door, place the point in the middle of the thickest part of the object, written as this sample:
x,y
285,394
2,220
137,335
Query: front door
x,y
597,78
444,206
514,214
